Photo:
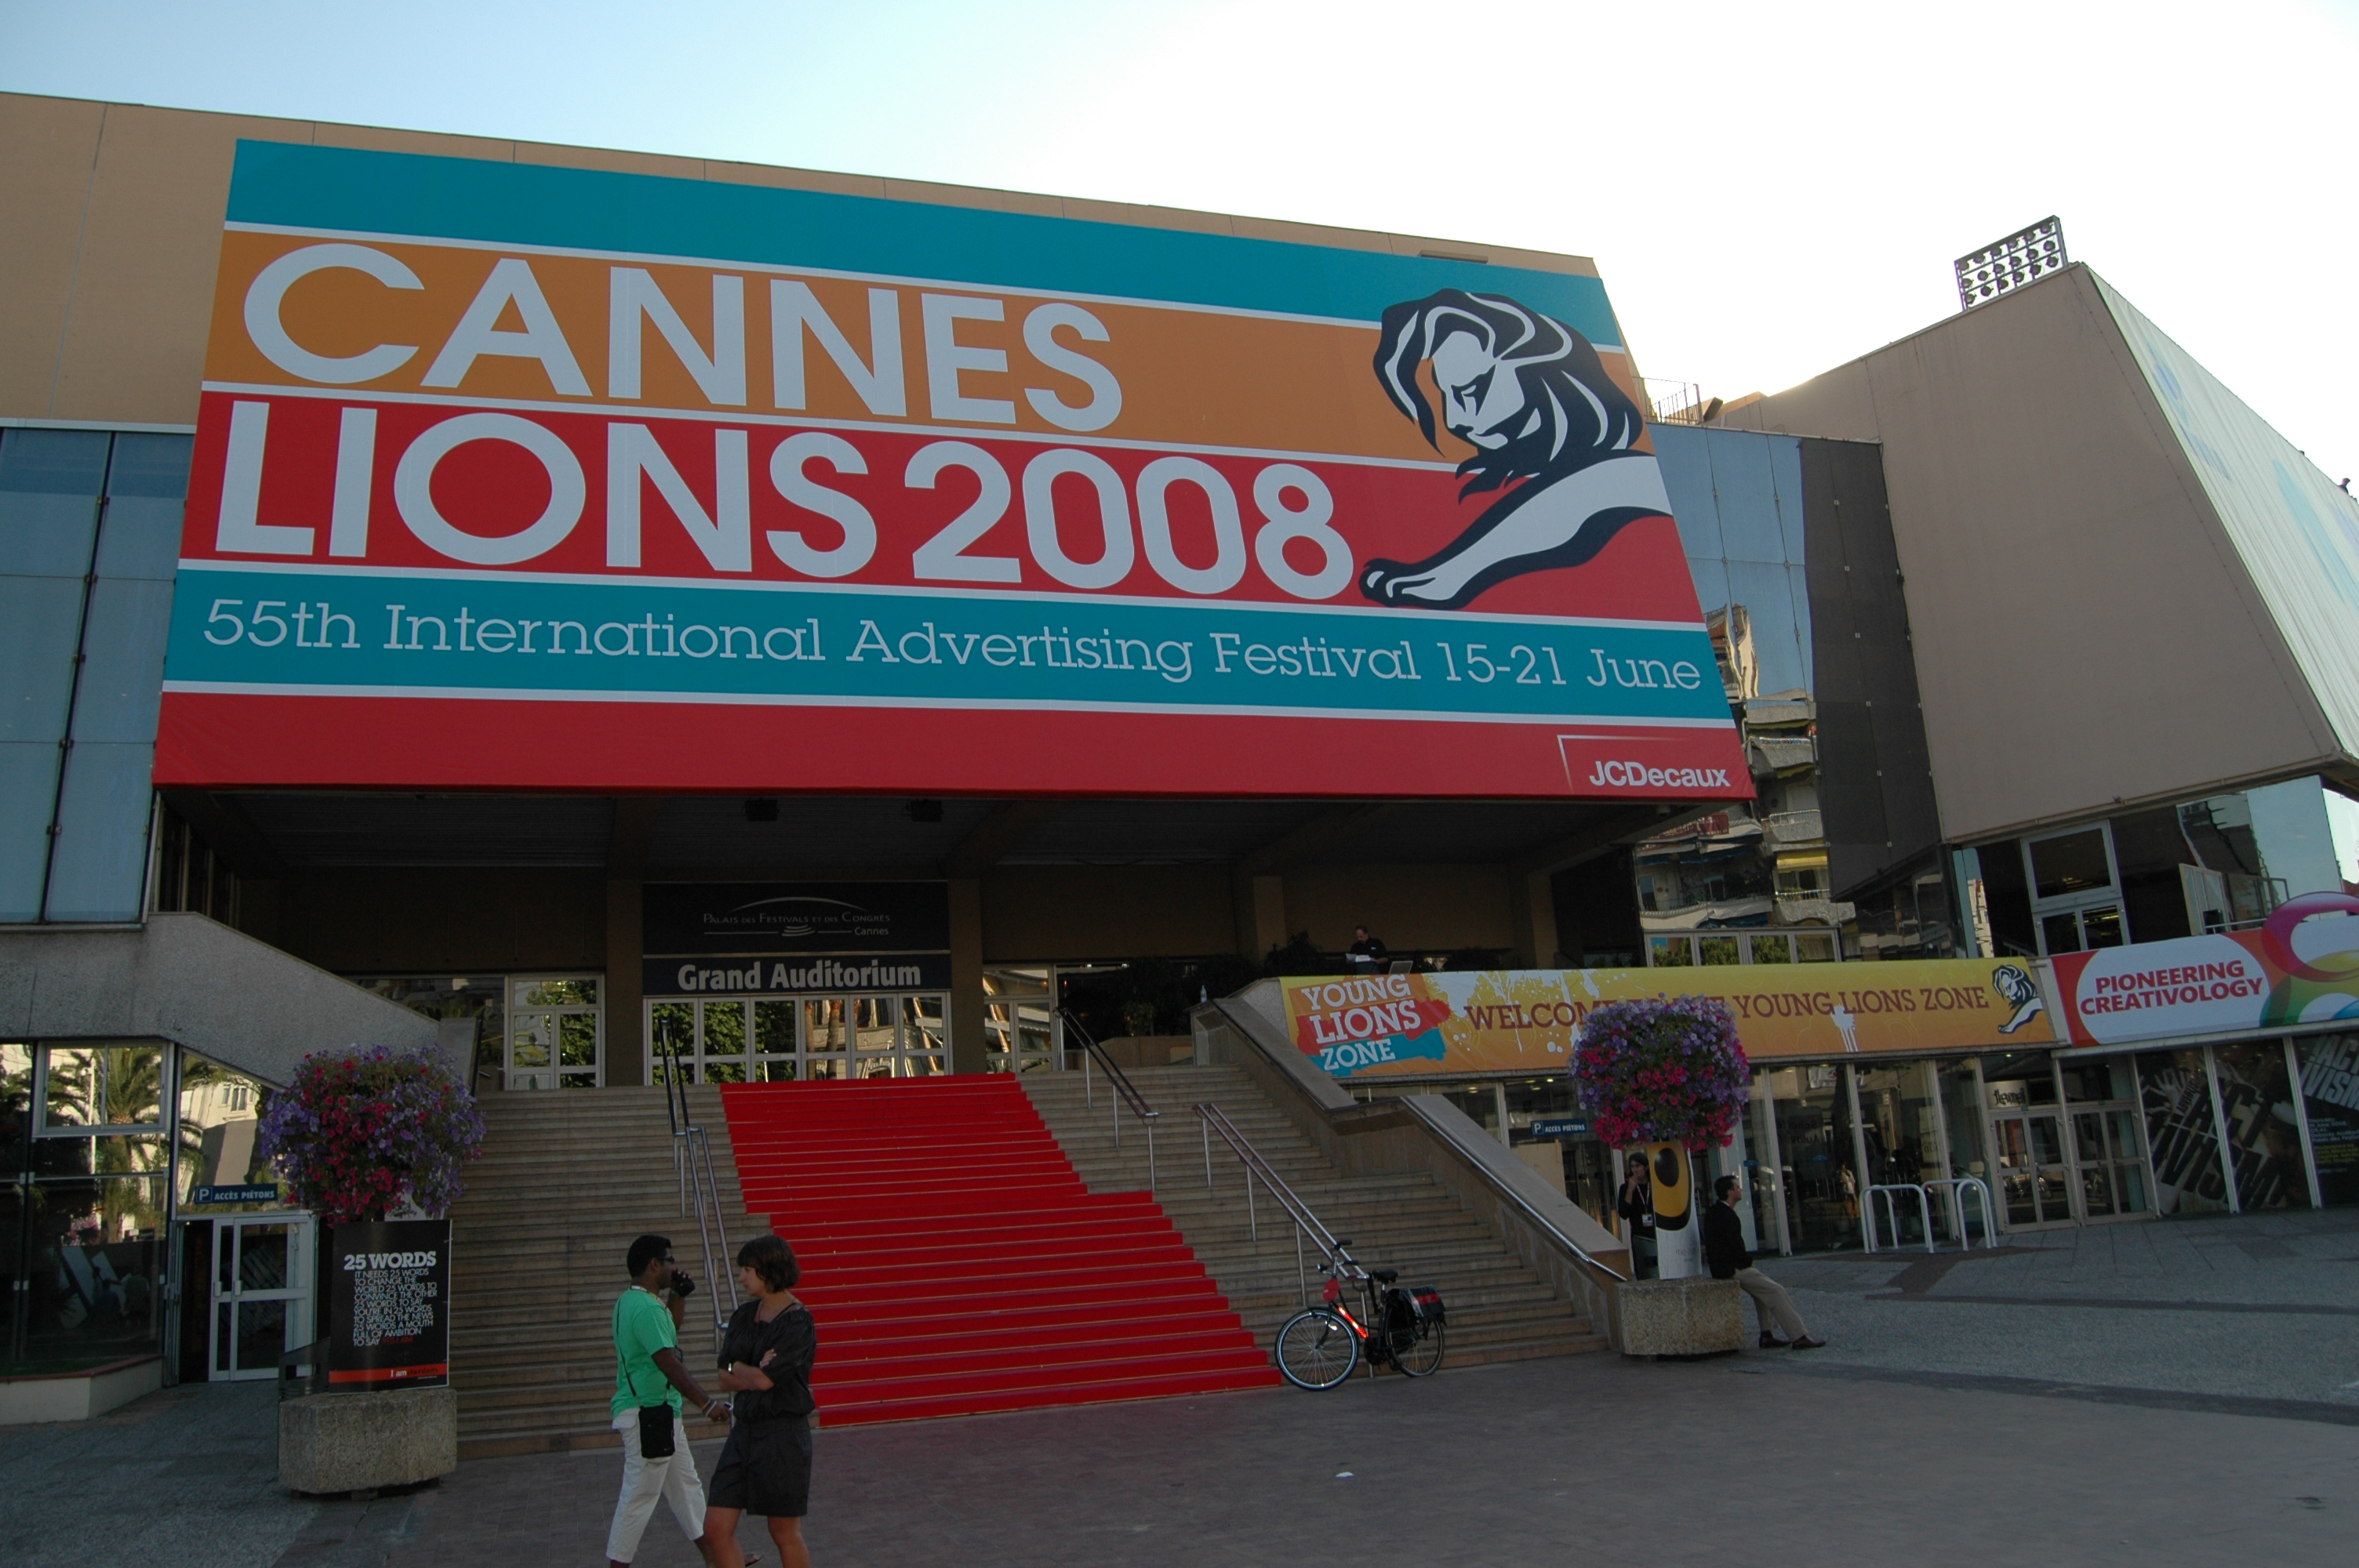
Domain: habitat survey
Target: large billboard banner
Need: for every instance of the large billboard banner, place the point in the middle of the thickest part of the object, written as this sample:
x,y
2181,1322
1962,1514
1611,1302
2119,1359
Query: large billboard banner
x,y
773,488
1524,1020
2300,966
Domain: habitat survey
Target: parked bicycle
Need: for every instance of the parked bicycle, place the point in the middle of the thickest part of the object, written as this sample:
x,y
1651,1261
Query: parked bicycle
x,y
1318,1347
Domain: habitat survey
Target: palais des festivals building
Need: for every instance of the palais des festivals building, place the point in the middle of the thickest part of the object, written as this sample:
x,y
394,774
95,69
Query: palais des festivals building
x,y
594,610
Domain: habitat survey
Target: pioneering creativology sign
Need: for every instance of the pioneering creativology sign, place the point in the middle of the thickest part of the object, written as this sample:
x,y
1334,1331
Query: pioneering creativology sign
x,y
2301,966
1524,1020
490,452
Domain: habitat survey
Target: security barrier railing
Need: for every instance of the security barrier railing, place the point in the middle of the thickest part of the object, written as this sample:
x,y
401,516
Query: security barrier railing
x,y
1892,1206
1961,1185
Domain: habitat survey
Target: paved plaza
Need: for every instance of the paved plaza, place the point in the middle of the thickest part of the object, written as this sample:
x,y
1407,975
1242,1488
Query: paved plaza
x,y
2263,1307
2179,1393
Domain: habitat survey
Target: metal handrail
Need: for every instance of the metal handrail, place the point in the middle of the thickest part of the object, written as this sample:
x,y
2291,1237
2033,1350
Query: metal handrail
x,y
1125,1096
1539,1221
699,1191
1981,1189
1892,1206
1256,1168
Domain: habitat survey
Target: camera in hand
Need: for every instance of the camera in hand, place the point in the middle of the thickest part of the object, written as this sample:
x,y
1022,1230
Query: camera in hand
x,y
681,1285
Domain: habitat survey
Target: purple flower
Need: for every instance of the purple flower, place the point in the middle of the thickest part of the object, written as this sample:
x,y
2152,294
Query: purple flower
x,y
357,1129
1662,1071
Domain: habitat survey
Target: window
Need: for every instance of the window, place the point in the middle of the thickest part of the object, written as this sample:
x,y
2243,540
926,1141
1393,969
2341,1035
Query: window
x,y
2075,890
220,1113
92,521
555,1025
102,1089
743,1040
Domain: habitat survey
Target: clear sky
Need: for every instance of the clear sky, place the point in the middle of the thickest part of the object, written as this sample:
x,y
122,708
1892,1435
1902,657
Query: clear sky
x,y
1769,190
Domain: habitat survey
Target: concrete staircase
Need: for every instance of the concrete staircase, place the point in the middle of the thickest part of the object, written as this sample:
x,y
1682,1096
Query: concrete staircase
x,y
1499,1310
566,1179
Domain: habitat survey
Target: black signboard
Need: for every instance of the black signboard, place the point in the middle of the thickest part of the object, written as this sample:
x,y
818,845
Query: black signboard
x,y
389,1301
800,974
690,920
2330,1090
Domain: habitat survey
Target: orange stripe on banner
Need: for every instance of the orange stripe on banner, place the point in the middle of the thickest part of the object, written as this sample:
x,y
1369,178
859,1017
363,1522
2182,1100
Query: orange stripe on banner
x,y
390,1374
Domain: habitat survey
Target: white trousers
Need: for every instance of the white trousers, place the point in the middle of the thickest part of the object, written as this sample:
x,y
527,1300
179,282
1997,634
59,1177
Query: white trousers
x,y
644,1480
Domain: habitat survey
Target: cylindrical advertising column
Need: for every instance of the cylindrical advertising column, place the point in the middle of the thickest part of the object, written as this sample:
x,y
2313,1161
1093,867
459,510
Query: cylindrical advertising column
x,y
1679,1254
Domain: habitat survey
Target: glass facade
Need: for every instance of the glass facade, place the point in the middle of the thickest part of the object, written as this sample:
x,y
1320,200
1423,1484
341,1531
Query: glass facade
x,y
740,1040
480,998
106,1141
1021,1030
2182,1135
1900,1122
2052,1137
90,537
2263,1127
1818,1171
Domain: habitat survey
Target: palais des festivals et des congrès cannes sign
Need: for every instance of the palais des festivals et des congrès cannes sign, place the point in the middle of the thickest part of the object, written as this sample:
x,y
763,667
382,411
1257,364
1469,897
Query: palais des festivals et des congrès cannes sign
x,y
489,452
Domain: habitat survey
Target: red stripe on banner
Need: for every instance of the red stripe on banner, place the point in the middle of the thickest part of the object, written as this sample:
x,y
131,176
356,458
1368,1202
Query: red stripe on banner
x,y
390,1374
217,740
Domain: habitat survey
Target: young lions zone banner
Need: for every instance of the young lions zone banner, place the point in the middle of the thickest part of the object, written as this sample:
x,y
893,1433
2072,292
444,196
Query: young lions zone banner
x,y
2301,966
764,487
1525,1020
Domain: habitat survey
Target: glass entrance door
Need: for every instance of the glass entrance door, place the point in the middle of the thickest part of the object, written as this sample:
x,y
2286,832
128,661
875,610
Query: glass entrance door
x,y
532,1054
2035,1185
556,1033
2112,1165
262,1294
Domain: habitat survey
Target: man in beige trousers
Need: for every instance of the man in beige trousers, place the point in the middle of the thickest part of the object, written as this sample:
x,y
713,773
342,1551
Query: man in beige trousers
x,y
1723,1250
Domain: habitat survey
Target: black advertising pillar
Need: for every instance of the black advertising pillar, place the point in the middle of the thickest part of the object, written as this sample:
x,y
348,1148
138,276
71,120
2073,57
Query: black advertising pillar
x,y
389,1302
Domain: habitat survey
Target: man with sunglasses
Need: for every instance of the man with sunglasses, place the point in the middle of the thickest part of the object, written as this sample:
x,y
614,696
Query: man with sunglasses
x,y
649,1378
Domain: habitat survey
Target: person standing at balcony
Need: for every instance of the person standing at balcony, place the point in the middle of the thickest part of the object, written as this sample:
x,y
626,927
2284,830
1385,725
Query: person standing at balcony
x,y
765,1359
649,1381
1723,1250
1368,953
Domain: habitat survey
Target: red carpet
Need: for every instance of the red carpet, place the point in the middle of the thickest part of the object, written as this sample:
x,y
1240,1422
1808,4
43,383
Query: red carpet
x,y
955,1263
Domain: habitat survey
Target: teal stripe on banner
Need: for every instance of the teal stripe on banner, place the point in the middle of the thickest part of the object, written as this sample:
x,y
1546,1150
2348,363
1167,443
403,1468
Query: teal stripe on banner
x,y
404,193
338,632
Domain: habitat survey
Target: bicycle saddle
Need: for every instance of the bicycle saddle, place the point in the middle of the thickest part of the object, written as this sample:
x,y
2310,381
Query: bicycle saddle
x,y
1383,1276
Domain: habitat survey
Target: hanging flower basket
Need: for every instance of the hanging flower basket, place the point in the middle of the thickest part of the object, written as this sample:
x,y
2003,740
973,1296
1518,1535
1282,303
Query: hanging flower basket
x,y
1664,1070
360,1132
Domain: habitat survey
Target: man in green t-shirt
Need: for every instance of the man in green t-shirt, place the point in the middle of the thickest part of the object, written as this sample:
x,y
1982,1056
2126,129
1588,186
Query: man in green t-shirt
x,y
649,1374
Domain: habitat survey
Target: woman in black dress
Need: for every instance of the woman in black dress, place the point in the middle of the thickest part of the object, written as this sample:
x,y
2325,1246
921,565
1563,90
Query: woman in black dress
x,y
766,1361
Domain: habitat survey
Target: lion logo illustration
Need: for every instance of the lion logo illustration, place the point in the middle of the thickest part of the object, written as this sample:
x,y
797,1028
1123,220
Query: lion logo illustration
x,y
2017,989
1547,426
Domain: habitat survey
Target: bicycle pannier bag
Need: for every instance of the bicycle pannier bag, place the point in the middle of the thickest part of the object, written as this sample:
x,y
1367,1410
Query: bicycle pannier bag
x,y
1426,1302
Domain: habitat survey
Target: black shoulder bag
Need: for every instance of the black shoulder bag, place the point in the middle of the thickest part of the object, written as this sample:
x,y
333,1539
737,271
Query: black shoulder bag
x,y
655,1431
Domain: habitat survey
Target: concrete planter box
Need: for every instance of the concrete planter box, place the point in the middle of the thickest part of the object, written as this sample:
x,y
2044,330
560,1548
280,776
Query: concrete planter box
x,y
1680,1318
78,1396
349,1442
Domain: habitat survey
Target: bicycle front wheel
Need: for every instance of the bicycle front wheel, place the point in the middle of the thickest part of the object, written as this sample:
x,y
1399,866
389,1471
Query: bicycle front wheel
x,y
1423,1358
1316,1349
